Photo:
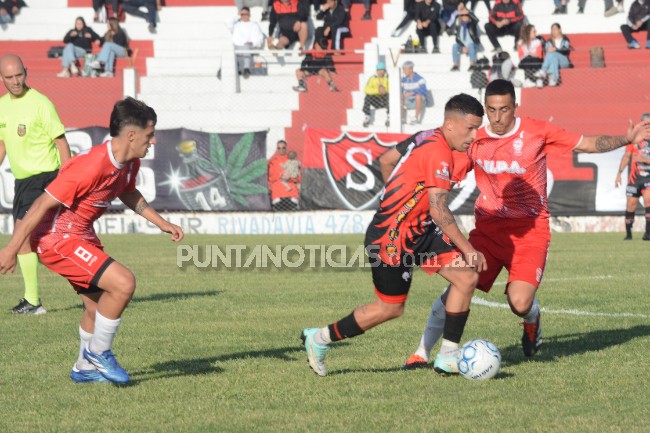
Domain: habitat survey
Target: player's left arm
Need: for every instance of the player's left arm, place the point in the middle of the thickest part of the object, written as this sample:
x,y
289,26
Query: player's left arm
x,y
387,162
136,202
605,143
63,147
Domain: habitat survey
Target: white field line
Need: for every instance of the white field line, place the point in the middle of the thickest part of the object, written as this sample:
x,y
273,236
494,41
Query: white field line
x,y
486,303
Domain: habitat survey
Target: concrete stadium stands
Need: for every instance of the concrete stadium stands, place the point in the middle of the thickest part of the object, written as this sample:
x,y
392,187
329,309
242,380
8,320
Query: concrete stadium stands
x,y
177,71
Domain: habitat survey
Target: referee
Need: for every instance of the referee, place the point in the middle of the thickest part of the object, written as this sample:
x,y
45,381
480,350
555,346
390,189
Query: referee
x,y
33,138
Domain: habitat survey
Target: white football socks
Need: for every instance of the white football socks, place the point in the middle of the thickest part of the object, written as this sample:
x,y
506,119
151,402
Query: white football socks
x,y
433,330
84,340
322,337
448,348
105,330
531,316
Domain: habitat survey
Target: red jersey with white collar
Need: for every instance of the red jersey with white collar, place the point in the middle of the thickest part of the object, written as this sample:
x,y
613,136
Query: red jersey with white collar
x,y
510,169
85,186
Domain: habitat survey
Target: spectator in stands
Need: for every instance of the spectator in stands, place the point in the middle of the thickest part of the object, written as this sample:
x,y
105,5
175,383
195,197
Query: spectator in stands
x,y
638,20
132,7
334,23
557,49
427,13
610,9
284,190
246,35
376,94
115,43
448,15
414,91
467,38
530,49
409,15
99,4
9,9
78,42
503,69
316,62
560,7
291,18
264,4
506,18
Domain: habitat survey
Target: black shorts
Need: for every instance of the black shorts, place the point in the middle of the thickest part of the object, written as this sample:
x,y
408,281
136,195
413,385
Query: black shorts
x,y
27,190
289,34
640,184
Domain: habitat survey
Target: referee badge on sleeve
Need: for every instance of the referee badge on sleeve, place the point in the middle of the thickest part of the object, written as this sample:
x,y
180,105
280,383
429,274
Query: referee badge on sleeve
x,y
22,130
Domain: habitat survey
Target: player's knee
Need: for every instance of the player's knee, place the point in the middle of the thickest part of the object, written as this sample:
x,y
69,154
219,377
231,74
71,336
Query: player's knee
x,y
124,283
392,311
520,306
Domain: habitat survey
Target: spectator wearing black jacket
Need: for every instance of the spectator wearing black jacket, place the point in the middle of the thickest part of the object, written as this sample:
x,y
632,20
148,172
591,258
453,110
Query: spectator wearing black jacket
x,y
9,9
638,20
426,18
506,18
78,42
115,43
467,38
334,23
290,16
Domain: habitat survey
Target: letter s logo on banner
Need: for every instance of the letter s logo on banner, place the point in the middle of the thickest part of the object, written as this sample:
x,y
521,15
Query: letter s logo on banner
x,y
353,168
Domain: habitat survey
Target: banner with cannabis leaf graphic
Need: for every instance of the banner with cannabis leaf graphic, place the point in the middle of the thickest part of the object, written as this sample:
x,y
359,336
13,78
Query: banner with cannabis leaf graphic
x,y
187,170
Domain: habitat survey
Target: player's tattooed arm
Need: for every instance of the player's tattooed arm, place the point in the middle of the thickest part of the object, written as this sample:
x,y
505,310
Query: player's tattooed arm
x,y
141,206
440,210
605,143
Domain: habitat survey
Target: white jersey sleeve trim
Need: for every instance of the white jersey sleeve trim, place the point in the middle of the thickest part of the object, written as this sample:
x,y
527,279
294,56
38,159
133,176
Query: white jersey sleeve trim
x,y
50,194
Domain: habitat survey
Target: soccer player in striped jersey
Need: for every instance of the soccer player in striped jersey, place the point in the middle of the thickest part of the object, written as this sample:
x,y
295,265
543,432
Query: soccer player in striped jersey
x,y
637,159
414,227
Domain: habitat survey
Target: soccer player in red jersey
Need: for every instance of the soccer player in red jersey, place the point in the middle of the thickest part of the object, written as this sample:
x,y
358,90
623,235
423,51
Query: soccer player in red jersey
x,y
512,217
61,226
414,227
637,159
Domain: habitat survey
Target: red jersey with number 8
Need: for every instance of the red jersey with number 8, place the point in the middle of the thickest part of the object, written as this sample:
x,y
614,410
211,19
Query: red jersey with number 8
x,y
85,187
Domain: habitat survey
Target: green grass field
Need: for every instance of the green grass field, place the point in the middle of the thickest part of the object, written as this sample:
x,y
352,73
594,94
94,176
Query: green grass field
x,y
218,350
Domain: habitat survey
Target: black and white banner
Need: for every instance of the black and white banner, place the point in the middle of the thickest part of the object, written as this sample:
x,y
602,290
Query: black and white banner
x,y
185,171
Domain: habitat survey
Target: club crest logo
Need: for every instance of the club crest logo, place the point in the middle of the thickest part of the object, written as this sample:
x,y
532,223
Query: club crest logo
x,y
518,144
353,168
22,130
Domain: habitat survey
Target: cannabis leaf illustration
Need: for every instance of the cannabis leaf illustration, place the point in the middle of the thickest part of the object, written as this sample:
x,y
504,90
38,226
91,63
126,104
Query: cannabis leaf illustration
x,y
240,178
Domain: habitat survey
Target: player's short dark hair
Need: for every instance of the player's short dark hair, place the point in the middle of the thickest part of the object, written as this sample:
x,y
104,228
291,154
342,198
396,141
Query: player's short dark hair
x,y
130,111
500,87
464,104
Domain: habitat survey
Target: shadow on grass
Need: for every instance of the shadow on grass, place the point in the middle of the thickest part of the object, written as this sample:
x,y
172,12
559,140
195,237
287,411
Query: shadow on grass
x,y
157,297
559,346
194,367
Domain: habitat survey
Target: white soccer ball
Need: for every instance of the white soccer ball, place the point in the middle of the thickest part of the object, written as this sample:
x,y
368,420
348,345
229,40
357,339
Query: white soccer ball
x,y
479,360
